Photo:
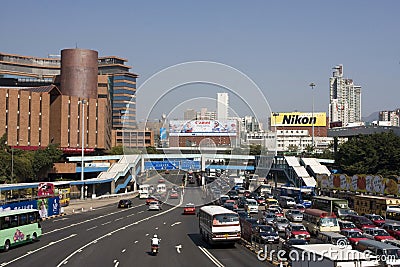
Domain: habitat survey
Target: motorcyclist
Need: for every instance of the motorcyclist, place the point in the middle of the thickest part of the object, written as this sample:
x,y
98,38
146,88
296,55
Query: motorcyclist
x,y
155,241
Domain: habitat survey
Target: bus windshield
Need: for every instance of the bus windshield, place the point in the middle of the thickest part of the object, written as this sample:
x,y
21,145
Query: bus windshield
x,y
225,219
328,222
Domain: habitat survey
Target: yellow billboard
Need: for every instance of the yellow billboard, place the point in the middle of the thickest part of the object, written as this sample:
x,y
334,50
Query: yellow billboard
x,y
298,119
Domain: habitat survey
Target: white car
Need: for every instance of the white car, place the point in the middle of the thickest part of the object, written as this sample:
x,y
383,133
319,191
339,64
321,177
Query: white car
x,y
154,205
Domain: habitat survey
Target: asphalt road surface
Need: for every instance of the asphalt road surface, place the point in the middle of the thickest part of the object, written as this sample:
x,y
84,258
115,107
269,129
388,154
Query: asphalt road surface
x,y
108,236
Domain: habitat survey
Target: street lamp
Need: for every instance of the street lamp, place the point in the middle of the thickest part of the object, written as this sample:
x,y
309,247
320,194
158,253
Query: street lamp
x,y
312,116
274,114
83,102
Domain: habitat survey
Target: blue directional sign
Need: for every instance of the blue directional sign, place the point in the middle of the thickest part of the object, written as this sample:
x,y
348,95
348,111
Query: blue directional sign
x,y
171,165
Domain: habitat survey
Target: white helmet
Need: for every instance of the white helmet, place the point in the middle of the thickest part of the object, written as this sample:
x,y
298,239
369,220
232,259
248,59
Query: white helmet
x,y
155,236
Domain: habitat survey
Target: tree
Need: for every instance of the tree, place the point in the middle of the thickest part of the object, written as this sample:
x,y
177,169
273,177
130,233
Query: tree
x,y
43,160
370,154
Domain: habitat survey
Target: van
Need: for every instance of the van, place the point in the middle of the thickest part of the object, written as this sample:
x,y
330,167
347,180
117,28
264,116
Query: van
x,y
287,202
334,239
251,206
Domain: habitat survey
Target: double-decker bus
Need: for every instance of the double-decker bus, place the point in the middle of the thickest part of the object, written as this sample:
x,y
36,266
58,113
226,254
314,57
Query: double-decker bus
x,y
18,227
317,221
219,225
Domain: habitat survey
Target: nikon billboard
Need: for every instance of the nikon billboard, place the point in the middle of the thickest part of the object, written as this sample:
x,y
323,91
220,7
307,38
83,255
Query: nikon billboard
x,y
298,119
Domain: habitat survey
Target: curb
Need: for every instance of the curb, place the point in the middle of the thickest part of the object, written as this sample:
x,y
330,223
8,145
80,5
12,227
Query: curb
x,y
53,216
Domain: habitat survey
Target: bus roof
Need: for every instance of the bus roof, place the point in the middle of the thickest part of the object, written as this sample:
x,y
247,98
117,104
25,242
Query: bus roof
x,y
213,210
327,198
319,213
15,212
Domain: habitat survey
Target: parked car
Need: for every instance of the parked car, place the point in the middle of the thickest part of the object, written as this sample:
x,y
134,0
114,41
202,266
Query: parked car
x,y
393,229
154,205
353,235
347,225
298,231
189,208
280,224
125,203
294,215
377,234
267,234
376,219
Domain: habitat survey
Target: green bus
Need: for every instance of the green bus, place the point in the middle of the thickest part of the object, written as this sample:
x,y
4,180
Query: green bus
x,y
329,204
18,227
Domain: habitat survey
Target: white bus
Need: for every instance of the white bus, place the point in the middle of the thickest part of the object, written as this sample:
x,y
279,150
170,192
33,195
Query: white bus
x,y
317,221
219,225
144,191
161,188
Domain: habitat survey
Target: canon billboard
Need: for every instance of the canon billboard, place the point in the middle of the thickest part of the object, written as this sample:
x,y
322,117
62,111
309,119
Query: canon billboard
x,y
203,128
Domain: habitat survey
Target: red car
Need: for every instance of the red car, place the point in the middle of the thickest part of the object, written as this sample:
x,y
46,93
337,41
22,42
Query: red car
x,y
235,206
189,209
150,199
377,234
353,236
393,229
376,219
173,195
298,231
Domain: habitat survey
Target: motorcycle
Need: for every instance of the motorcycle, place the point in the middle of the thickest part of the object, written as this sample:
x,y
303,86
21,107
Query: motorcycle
x,y
154,249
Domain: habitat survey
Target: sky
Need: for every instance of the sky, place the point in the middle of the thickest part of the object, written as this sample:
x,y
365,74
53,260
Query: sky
x,y
281,46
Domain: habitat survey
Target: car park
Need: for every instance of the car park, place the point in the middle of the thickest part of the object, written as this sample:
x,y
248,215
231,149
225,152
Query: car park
x,y
294,215
154,205
125,203
376,219
298,231
393,229
377,234
189,208
353,235
267,234
280,224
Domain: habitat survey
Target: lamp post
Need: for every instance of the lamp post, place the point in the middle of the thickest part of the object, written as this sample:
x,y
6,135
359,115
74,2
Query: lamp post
x,y
83,102
312,85
274,114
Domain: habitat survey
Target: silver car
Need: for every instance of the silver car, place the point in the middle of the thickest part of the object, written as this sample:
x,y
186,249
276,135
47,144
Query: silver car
x,y
280,224
294,215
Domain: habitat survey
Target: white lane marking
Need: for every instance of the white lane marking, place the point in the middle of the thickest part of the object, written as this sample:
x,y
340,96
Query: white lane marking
x,y
141,211
34,251
123,250
178,248
117,230
89,220
115,261
135,241
176,223
106,223
116,264
118,219
62,219
211,257
147,234
156,228
165,223
91,228
130,215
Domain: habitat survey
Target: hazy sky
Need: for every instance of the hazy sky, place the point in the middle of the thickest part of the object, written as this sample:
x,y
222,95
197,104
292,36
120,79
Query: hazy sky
x,y
281,45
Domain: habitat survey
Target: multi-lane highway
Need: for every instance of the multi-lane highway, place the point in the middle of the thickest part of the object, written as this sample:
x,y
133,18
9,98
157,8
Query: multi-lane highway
x,y
109,236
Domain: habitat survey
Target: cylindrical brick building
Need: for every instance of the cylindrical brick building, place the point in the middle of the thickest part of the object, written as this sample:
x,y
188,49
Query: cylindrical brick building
x,y
79,69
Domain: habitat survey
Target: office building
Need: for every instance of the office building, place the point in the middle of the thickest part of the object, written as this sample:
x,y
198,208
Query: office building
x,y
222,106
345,99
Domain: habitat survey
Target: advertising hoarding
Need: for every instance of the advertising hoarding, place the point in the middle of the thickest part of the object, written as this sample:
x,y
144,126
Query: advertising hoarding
x,y
203,128
298,119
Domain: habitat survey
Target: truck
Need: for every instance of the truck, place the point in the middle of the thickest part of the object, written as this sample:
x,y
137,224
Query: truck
x,y
328,255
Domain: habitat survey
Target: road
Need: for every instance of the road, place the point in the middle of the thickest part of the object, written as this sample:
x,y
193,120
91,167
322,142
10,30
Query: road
x,y
108,236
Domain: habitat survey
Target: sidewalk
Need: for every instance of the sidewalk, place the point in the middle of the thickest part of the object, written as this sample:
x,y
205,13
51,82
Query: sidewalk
x,y
78,205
